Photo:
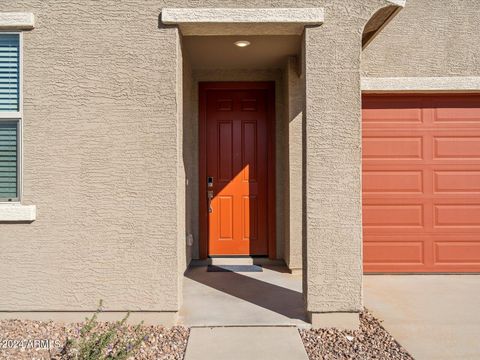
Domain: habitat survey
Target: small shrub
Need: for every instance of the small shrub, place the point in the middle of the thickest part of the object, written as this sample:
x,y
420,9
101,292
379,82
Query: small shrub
x,y
95,343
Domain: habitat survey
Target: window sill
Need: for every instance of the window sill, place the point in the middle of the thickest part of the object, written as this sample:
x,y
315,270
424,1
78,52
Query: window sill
x,y
17,213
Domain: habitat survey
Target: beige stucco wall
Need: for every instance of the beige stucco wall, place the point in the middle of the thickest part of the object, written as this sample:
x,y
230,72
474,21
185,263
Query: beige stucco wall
x,y
428,38
102,161
294,95
104,157
333,217
180,173
190,159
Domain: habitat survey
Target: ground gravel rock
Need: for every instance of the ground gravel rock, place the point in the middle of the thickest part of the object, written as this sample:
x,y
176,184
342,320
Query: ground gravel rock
x,y
371,341
21,339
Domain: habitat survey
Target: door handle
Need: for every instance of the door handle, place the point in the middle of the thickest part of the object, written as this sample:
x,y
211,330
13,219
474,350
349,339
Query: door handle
x,y
210,193
210,197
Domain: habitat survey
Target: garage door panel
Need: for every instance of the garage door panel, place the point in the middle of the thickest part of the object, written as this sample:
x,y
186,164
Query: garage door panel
x,y
398,111
421,183
388,117
385,116
393,216
393,181
457,252
457,147
456,181
393,252
458,216
392,147
393,103
457,116
456,109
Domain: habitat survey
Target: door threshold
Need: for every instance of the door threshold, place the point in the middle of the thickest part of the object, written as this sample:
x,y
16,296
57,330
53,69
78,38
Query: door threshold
x,y
237,260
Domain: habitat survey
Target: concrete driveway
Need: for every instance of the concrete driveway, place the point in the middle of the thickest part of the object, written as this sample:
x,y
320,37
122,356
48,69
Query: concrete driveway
x,y
431,316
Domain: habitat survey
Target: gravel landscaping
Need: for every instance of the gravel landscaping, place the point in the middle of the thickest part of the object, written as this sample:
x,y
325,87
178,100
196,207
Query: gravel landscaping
x,y
371,341
20,339
159,342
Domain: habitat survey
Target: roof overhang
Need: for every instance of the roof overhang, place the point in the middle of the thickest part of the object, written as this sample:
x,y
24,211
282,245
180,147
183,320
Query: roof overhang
x,y
245,21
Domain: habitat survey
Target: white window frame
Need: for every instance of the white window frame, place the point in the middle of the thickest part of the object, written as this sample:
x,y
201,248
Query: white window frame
x,y
17,116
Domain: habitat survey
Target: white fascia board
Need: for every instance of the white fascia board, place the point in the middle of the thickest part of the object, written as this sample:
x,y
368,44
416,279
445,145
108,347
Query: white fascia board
x,y
306,16
421,84
16,21
15,212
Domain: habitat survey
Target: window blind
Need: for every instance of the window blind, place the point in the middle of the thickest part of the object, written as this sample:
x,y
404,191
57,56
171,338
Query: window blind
x,y
9,72
8,159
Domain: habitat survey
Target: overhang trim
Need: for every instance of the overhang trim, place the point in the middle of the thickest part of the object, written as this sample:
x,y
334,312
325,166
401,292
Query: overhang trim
x,y
421,84
242,21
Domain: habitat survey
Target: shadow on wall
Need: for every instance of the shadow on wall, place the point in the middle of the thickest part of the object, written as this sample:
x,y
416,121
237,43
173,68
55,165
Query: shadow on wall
x,y
272,297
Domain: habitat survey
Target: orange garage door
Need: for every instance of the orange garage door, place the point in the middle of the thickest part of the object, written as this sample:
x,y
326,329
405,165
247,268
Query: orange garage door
x,y
421,183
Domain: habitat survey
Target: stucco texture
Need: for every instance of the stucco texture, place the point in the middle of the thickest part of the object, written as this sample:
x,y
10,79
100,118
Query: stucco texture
x,y
429,38
333,206
294,93
102,158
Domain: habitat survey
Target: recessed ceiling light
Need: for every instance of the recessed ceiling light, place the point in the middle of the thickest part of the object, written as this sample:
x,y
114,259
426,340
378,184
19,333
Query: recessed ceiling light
x,y
242,43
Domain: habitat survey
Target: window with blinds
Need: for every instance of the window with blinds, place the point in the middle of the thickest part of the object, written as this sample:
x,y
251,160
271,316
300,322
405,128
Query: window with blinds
x,y
8,159
9,72
9,115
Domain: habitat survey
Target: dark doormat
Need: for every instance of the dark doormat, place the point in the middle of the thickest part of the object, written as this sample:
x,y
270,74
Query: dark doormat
x,y
234,268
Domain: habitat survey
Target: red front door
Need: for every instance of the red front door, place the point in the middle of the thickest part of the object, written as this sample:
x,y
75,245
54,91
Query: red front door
x,y
235,181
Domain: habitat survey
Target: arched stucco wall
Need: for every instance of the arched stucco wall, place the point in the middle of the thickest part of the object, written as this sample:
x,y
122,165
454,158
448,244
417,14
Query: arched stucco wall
x,y
429,38
332,161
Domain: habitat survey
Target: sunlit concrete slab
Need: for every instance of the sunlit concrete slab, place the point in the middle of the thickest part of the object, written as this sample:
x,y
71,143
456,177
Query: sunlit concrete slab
x,y
271,297
431,316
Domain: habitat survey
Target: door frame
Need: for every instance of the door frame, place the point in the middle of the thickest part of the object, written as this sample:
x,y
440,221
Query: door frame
x,y
203,88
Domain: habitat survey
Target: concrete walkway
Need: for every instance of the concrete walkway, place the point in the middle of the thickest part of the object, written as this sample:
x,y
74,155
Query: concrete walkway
x,y
269,298
433,317
240,343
